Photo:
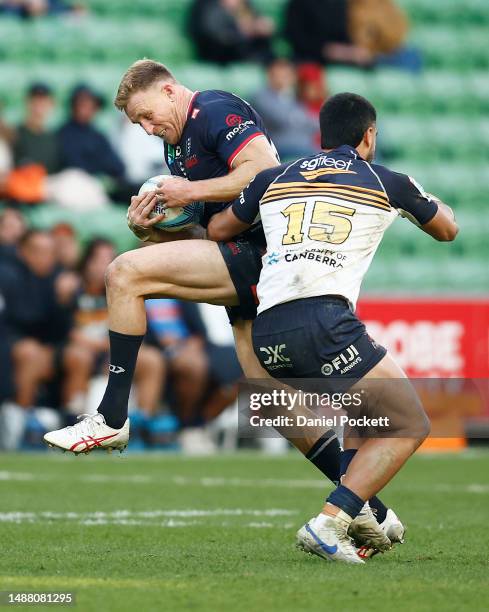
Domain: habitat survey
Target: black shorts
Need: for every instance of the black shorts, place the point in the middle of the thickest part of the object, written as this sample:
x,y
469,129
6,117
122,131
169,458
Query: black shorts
x,y
243,260
318,338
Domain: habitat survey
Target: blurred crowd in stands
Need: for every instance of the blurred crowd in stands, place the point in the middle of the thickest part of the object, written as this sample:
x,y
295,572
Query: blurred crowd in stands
x,y
28,9
54,330
53,312
75,165
361,33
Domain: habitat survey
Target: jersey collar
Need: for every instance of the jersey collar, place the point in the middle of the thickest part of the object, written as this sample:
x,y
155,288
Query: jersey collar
x,y
347,150
191,104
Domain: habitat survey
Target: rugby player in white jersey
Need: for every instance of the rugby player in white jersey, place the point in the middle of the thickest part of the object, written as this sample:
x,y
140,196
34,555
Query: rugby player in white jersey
x,y
324,217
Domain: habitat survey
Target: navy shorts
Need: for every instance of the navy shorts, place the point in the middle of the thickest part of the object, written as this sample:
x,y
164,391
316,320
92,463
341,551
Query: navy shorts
x,y
318,338
243,260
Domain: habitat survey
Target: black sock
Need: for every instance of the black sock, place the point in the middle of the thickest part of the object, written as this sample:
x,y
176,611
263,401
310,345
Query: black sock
x,y
325,455
123,354
347,500
378,508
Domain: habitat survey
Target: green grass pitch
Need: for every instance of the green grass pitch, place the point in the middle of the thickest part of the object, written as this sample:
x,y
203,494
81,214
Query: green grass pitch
x,y
163,532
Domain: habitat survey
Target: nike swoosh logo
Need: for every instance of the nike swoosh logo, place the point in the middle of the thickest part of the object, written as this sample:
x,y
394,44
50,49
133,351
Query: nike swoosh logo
x,y
330,550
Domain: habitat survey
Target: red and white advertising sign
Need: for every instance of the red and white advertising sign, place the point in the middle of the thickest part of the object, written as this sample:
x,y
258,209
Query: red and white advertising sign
x,y
432,337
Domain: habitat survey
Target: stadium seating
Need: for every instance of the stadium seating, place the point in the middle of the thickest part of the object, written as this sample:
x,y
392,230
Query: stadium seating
x,y
433,125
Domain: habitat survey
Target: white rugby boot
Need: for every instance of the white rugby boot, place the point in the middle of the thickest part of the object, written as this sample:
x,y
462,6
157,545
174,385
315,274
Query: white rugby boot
x,y
367,533
392,528
327,537
90,433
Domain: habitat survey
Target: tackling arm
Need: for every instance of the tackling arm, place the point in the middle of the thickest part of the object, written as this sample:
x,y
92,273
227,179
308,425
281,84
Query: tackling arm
x,y
244,211
224,225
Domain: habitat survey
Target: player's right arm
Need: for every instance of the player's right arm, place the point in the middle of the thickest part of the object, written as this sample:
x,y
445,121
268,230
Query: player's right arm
x,y
142,225
423,209
443,226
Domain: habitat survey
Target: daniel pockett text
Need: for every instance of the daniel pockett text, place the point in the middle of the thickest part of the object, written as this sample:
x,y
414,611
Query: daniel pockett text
x,y
287,402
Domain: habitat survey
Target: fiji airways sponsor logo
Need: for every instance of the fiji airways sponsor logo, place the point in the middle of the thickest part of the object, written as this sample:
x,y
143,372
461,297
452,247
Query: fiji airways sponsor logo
x,y
275,357
239,129
425,347
343,362
272,258
116,369
326,162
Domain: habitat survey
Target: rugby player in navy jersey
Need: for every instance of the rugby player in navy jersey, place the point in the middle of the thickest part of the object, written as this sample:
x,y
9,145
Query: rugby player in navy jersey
x,y
324,217
215,143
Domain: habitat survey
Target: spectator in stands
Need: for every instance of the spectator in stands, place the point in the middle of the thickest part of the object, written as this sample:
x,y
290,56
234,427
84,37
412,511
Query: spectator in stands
x,y
82,144
230,31
88,350
141,154
66,245
38,8
37,321
203,376
6,138
291,128
35,142
355,32
12,228
312,93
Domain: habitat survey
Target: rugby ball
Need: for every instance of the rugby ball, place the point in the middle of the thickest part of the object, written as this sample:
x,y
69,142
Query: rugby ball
x,y
178,218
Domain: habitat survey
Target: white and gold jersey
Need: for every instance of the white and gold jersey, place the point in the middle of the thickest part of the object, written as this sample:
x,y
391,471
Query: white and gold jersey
x,y
323,219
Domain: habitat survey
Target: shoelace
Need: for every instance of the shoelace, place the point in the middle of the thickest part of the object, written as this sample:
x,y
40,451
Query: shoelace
x,y
87,424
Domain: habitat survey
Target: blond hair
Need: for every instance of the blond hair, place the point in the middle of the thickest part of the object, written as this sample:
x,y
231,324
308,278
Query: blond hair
x,y
138,77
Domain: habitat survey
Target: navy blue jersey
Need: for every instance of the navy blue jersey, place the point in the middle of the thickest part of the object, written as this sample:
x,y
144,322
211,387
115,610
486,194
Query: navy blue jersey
x,y
219,125
324,217
343,173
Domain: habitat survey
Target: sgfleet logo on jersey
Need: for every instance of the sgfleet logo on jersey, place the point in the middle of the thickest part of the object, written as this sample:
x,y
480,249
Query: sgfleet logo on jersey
x,y
239,129
275,357
326,162
343,362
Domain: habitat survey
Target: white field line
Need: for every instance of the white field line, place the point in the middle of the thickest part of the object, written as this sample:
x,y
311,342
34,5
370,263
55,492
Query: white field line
x,y
16,476
275,483
281,483
171,518
210,482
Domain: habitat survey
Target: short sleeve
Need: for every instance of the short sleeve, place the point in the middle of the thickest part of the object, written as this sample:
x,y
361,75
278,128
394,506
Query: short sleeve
x,y
230,127
407,196
247,206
